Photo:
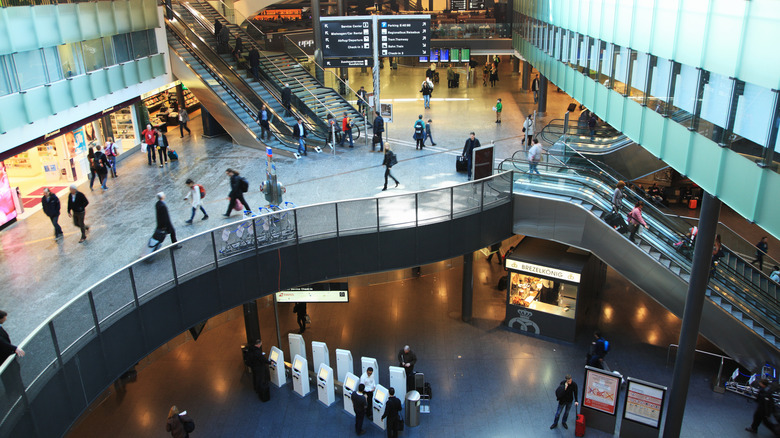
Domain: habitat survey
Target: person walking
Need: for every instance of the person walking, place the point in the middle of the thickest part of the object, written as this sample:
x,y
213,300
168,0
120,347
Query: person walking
x,y
184,118
597,351
362,102
162,147
223,40
286,99
426,89
592,126
485,73
263,121
378,128
761,249
617,196
635,219
765,401
346,130
431,71
534,157
369,383
6,347
112,152
101,167
261,375
92,168
238,186
359,405
150,139
419,133
164,223
528,129
392,413
300,311
471,144
535,88
77,209
389,161
195,196
300,132
217,27
51,208
407,359
428,133
566,393
178,422
498,109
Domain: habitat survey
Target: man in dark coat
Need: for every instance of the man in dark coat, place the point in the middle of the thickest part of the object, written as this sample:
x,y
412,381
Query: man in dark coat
x,y
393,414
300,310
163,219
254,62
378,128
359,404
51,207
259,364
236,193
764,409
77,209
286,99
223,40
566,393
407,359
217,27
471,143
6,347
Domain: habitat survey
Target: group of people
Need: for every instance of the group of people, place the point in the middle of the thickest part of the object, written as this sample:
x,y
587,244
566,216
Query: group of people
x,y
155,140
101,162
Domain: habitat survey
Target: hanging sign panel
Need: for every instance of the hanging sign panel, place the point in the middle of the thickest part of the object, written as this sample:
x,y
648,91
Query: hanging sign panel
x,y
345,38
404,36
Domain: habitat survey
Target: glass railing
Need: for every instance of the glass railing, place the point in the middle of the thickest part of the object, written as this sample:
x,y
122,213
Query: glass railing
x,y
470,30
66,331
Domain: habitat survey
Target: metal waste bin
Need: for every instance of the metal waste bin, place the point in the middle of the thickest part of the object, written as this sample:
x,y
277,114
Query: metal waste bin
x,y
412,416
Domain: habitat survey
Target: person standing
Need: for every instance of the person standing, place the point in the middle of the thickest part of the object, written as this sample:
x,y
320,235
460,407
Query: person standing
x,y
471,144
346,130
164,223
592,126
261,375
300,311
217,27
177,423
359,405
761,249
389,161
419,132
428,133
362,102
392,413
196,199
184,118
300,132
431,71
485,73
101,167
237,186
92,167
426,89
617,196
378,128
566,393
407,359
369,384
223,40
263,121
765,407
77,209
6,347
286,99
499,107
51,208
528,129
111,153
162,147
535,88
150,139
534,157
493,74
254,63
450,77
635,219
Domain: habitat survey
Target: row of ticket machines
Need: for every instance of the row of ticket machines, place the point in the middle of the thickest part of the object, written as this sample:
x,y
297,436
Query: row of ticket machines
x,y
326,380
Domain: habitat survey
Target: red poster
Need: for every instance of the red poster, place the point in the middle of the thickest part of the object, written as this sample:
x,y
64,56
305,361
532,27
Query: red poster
x,y
601,392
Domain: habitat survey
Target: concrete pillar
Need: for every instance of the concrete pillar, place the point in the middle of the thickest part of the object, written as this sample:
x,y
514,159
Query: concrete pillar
x,y
468,287
315,22
542,94
515,66
694,303
251,322
526,78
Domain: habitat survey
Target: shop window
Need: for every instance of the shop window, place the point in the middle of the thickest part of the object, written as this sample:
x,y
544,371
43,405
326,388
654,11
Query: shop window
x,y
94,56
53,67
7,76
619,69
542,294
121,48
30,69
606,64
71,59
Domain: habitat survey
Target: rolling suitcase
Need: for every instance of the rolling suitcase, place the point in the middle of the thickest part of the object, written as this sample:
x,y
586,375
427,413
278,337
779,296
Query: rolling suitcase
x,y
616,221
456,82
461,164
579,426
265,392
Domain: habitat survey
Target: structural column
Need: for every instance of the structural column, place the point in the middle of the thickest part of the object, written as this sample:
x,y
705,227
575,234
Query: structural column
x,y
515,65
468,287
251,322
542,94
525,80
694,303
315,23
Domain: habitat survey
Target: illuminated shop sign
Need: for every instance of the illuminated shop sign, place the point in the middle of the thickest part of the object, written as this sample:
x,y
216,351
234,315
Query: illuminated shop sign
x,y
545,271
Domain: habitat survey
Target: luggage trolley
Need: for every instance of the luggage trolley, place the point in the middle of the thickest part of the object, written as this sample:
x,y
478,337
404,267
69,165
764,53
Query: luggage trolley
x,y
425,393
276,224
238,239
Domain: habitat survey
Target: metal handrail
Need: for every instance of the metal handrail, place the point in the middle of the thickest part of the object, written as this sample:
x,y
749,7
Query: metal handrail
x,y
718,378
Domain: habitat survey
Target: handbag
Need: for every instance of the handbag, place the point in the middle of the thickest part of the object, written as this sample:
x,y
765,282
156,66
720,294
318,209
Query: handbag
x,y
400,424
239,206
307,319
157,238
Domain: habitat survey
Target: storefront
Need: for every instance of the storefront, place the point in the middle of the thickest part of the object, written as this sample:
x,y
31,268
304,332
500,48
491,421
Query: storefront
x,y
551,288
163,104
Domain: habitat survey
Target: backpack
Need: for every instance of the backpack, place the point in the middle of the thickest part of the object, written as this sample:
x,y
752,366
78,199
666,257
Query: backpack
x,y
604,345
560,390
418,128
202,191
188,423
244,185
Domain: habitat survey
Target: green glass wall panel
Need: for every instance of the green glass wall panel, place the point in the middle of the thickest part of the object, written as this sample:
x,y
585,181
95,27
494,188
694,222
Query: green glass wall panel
x,y
623,19
643,20
693,19
36,102
759,61
45,20
115,79
19,26
594,18
739,185
676,142
130,72
137,18
13,113
105,12
665,28
80,89
601,101
68,19
122,17
608,11
632,118
769,189
704,162
144,69
588,91
88,20
59,96
722,45
652,132
98,80
615,110
158,65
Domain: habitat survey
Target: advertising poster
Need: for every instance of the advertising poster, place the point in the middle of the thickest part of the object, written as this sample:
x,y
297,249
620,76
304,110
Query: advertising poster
x,y
79,141
644,404
7,209
601,392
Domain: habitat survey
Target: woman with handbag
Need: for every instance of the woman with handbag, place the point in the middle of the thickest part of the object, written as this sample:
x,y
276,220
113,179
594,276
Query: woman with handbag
x,y
389,161
179,424
635,219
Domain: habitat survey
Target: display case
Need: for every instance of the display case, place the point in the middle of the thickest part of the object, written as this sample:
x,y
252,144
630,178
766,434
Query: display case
x,y
122,125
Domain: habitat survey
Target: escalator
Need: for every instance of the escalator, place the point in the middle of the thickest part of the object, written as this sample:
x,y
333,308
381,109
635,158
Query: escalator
x,y
567,204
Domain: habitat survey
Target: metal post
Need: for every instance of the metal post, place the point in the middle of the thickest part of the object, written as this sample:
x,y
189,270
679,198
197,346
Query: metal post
x,y
276,317
467,293
375,24
251,322
694,302
542,94
525,80
315,23
566,128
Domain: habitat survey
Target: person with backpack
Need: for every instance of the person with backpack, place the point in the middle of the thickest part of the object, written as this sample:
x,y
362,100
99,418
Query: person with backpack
x,y
765,408
426,90
566,393
389,161
419,132
378,128
598,349
179,424
111,153
238,186
92,170
101,167
196,194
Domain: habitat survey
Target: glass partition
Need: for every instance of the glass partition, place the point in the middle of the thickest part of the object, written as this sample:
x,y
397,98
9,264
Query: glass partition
x,y
356,217
113,298
94,54
30,69
396,212
434,206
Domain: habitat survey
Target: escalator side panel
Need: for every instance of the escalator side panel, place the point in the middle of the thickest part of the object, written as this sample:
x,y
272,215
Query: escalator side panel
x,y
569,223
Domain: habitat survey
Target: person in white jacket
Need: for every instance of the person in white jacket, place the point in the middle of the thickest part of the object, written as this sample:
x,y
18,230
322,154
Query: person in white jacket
x,y
196,198
528,128
367,379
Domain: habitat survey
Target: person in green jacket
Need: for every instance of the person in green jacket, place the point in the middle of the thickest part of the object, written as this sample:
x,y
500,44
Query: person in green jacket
x,y
499,107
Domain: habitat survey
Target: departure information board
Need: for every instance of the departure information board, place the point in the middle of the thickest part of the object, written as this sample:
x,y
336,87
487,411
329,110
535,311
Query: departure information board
x,y
344,38
400,36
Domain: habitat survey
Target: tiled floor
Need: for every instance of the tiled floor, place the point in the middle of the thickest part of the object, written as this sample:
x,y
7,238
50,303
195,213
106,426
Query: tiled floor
x,y
487,381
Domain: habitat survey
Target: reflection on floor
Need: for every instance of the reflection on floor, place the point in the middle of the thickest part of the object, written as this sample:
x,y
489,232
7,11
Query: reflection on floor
x,y
487,381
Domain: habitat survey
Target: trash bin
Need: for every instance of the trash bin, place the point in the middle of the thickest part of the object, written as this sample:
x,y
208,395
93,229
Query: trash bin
x,y
412,416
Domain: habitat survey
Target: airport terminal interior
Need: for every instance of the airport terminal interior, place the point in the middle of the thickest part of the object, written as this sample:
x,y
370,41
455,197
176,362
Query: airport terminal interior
x,y
495,264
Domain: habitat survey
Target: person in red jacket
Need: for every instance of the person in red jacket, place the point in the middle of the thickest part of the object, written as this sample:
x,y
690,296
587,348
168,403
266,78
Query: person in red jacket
x,y
346,129
150,139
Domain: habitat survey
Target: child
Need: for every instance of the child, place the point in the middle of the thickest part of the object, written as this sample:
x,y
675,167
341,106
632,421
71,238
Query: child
x,y
499,107
428,133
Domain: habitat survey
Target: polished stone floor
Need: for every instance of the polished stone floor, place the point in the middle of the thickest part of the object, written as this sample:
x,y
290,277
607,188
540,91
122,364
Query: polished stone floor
x,y
487,381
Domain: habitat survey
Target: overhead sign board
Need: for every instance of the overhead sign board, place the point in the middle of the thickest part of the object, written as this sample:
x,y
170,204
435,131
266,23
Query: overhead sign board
x,y
346,38
346,62
543,270
315,293
402,36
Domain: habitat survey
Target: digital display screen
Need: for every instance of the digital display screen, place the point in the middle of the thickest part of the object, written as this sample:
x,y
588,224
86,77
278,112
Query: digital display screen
x,y
380,396
434,55
350,382
274,355
423,59
445,55
323,373
298,364
455,55
7,209
465,54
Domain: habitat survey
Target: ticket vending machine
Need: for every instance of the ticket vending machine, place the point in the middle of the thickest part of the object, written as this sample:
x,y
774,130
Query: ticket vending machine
x,y
325,389
297,346
300,374
398,381
278,377
380,398
366,362
344,364
351,382
320,354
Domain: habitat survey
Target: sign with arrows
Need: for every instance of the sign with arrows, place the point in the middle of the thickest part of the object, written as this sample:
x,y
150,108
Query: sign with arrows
x,y
347,37
400,36
345,62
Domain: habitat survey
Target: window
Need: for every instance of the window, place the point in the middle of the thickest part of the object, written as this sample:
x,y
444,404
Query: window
x,y
94,56
53,68
121,48
7,76
30,69
140,44
108,48
70,59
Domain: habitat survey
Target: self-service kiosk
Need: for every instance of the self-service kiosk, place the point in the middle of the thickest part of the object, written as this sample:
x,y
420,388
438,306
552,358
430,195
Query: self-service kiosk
x,y
366,362
344,363
325,388
351,383
380,398
320,354
278,377
300,374
297,346
398,381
